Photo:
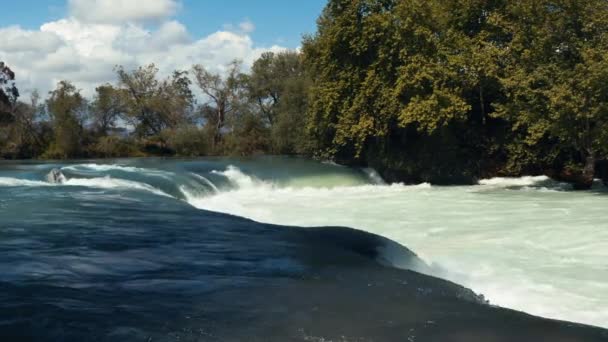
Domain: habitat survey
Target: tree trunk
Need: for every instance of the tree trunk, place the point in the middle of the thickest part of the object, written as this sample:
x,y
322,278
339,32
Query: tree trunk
x,y
217,137
585,180
482,105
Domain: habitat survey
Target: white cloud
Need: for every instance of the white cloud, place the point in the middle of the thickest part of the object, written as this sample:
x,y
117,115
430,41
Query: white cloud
x,y
15,39
244,27
87,52
120,11
60,61
86,39
247,26
138,40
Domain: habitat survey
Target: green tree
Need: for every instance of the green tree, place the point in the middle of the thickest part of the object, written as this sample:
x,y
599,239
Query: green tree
x,y
279,86
66,107
555,80
483,86
152,105
396,78
107,108
8,92
27,135
224,97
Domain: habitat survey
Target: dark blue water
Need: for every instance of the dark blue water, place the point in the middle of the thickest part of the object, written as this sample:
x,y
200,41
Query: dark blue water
x,y
117,254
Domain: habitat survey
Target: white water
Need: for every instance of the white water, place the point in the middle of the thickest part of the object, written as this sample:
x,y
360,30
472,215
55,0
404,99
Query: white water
x,y
9,181
112,183
523,243
98,182
91,167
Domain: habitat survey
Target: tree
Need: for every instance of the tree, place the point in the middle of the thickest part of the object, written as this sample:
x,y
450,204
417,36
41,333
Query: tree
x,y
152,106
106,108
279,86
391,85
224,95
556,80
27,135
66,107
482,86
178,101
141,89
8,92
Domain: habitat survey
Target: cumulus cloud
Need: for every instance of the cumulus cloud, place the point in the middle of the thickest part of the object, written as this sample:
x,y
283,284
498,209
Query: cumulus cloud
x,y
119,11
135,39
86,52
15,39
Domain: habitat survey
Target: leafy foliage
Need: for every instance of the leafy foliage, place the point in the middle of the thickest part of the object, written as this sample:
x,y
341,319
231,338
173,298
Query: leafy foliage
x,y
514,86
225,96
66,106
152,105
8,92
279,85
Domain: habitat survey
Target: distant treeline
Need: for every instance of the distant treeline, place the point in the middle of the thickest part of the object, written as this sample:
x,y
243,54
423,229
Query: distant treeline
x,y
143,114
446,91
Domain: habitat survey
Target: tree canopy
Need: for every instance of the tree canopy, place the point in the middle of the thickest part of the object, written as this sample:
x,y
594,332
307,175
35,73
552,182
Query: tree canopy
x,y
514,86
8,92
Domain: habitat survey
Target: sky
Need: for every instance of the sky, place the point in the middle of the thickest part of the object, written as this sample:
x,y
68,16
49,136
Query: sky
x,y
83,40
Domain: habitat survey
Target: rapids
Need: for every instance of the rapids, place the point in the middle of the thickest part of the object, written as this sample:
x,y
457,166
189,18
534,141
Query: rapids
x,y
529,244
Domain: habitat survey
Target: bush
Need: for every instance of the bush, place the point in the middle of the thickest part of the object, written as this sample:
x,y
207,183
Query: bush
x,y
249,137
187,141
113,146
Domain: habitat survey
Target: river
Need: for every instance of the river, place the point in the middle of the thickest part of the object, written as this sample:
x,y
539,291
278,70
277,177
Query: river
x,y
138,228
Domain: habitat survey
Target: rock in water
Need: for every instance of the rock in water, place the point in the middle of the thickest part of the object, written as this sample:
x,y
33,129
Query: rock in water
x,y
55,177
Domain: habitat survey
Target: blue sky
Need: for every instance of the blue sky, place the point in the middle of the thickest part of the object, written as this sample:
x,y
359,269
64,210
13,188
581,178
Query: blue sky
x,y
277,22
82,41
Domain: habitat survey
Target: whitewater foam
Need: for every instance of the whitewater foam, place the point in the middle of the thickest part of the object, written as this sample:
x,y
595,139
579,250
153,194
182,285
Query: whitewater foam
x,y
99,182
541,183
239,179
206,181
508,244
16,182
113,183
510,181
92,167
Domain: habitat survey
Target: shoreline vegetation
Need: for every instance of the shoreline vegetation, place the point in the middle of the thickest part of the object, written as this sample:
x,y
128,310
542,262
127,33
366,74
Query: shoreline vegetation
x,y
445,92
